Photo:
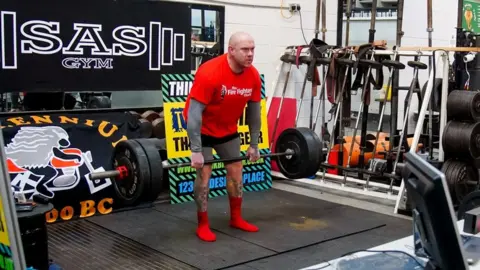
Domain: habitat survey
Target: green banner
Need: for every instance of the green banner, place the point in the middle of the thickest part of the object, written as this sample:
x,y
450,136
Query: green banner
x,y
470,13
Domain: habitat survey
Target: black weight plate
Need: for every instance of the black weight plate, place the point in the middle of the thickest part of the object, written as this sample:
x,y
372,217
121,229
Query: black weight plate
x,y
145,128
470,202
308,148
447,171
464,105
162,150
461,139
458,175
131,155
454,172
159,143
99,102
150,115
135,114
155,184
159,128
465,173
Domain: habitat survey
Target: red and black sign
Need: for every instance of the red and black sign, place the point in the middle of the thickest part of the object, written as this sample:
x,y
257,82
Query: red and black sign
x,y
53,154
95,45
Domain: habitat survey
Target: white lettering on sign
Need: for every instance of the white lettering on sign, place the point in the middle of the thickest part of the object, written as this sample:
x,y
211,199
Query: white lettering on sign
x,y
41,32
129,36
180,88
42,37
87,63
87,35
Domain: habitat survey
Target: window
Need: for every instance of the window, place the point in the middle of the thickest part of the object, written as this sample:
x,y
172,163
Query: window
x,y
207,33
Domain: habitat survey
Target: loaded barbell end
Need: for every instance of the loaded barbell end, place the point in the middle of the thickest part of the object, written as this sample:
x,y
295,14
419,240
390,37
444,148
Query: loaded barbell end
x,y
119,173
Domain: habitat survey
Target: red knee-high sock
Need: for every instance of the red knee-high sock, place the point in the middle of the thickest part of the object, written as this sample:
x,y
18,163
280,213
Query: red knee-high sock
x,y
236,219
203,230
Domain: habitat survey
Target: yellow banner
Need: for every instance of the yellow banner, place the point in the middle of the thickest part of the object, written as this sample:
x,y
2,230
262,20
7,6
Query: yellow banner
x,y
178,145
3,227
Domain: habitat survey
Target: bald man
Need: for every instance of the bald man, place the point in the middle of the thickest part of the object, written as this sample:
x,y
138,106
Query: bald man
x,y
222,88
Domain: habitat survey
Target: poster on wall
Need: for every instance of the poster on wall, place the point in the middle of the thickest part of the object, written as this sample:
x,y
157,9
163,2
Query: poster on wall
x,y
94,45
53,155
256,175
470,13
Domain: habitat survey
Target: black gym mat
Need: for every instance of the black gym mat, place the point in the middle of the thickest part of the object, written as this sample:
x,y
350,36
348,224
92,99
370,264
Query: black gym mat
x,y
176,238
83,245
395,229
286,220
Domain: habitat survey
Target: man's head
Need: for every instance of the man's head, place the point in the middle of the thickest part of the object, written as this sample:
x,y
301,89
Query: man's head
x,y
241,49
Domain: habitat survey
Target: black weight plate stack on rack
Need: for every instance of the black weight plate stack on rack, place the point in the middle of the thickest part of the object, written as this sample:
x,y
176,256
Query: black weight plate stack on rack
x,y
461,143
33,229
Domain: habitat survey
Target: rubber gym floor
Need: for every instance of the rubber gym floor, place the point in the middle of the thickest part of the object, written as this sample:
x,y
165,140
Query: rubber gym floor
x,y
295,231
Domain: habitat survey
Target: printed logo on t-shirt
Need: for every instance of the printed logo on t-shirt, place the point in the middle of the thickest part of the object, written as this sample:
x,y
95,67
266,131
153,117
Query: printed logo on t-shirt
x,y
234,91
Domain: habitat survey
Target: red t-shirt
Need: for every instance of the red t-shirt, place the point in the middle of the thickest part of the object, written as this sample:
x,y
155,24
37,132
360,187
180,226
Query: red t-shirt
x,y
225,95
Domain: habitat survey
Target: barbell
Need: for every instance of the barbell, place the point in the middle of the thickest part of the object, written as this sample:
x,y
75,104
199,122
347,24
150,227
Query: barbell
x,y
138,165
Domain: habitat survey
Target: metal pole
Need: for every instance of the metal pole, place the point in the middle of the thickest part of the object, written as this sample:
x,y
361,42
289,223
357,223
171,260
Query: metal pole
x,y
460,14
395,83
443,108
317,18
400,33
339,22
11,236
347,24
372,30
430,109
363,133
324,19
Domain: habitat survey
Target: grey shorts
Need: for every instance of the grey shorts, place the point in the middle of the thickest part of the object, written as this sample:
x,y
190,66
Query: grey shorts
x,y
225,148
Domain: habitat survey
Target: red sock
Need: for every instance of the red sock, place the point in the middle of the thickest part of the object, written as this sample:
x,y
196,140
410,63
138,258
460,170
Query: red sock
x,y
236,219
203,230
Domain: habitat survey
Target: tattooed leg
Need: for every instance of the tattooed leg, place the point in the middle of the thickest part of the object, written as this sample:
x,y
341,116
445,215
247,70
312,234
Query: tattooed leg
x,y
234,179
201,188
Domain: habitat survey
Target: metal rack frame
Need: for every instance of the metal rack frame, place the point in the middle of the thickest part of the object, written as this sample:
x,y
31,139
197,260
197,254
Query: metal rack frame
x,y
442,55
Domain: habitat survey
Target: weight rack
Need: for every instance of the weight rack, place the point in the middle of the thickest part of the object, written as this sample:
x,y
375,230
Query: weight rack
x,y
396,193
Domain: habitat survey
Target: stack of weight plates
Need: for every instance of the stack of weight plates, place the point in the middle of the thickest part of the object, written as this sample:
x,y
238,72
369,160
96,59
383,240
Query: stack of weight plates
x,y
33,230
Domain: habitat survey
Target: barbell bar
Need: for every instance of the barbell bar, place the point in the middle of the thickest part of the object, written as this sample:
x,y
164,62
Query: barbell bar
x,y
165,165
